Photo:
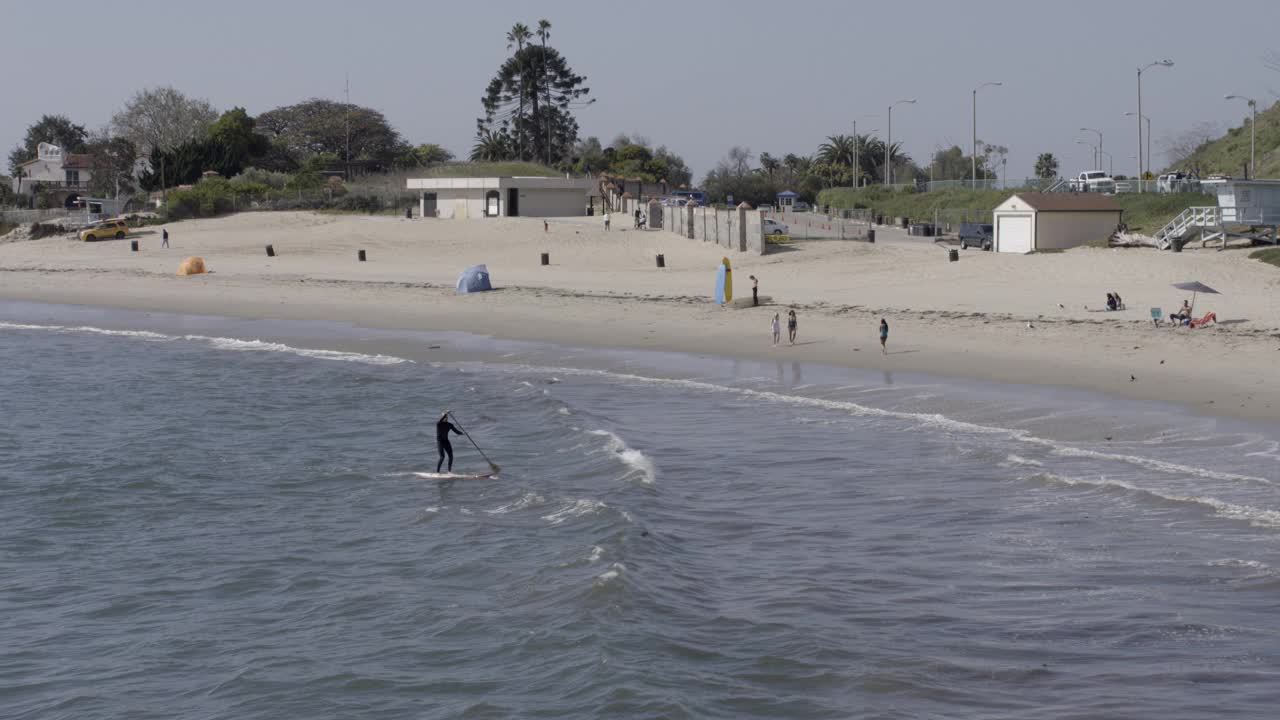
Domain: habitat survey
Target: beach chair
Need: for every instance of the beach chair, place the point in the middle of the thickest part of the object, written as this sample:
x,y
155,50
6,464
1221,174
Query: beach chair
x,y
1156,316
1208,318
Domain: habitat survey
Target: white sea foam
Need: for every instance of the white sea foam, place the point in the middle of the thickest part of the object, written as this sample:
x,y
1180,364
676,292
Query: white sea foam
x,y
563,410
614,571
936,420
574,508
1016,460
597,552
631,457
25,326
236,344
1237,563
1256,516
141,334
527,500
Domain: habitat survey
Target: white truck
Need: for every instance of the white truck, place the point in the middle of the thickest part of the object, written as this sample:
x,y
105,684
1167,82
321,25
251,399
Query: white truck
x,y
1093,181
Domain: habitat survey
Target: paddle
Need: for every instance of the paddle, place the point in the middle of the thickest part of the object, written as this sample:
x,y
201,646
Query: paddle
x,y
492,466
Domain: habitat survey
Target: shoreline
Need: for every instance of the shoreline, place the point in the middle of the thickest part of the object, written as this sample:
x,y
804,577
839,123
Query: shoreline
x,y
449,313
985,318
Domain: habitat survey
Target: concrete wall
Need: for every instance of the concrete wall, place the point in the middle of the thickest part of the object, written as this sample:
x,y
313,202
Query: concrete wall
x,y
551,203
738,230
1061,230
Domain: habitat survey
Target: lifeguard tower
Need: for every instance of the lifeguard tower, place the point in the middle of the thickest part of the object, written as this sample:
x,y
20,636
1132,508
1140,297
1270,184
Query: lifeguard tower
x,y
1246,209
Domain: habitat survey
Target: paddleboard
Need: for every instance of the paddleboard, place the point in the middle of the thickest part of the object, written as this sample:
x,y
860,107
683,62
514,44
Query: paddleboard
x,y
724,283
452,476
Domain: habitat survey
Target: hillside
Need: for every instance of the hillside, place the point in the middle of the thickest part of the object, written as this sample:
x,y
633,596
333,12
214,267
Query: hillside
x,y
1142,213
1229,153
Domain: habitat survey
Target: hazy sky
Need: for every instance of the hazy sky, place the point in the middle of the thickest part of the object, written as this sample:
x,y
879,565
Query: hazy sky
x,y
698,77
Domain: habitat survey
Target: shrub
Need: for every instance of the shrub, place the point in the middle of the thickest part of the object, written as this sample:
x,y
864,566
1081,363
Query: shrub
x,y
256,176
43,230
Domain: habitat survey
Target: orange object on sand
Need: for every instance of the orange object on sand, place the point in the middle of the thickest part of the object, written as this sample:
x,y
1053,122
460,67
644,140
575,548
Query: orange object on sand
x,y
1208,318
192,266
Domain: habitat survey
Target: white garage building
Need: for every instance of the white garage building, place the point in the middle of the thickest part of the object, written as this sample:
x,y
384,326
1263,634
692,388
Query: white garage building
x,y
1032,221
501,197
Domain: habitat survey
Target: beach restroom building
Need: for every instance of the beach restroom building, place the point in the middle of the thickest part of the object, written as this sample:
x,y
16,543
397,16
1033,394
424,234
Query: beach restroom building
x,y
1031,221
465,198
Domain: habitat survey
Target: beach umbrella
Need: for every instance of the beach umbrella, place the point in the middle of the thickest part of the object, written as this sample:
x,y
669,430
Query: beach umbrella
x,y
1196,287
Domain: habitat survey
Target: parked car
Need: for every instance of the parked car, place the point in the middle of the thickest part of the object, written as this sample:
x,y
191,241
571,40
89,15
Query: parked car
x,y
976,235
1093,181
1177,182
105,229
773,227
800,206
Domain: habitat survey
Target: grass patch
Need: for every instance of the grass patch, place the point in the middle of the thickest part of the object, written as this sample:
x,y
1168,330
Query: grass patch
x,y
485,169
1144,213
1270,256
1230,153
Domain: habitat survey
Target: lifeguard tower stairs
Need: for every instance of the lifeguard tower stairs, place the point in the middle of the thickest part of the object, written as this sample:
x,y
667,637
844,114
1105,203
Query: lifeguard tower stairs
x,y
1247,209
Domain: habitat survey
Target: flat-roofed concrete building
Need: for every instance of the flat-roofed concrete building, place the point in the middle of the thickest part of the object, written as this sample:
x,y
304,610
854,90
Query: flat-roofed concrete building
x,y
460,198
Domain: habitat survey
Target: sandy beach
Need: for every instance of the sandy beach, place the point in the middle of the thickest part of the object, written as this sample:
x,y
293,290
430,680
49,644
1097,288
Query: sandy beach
x,y
1010,318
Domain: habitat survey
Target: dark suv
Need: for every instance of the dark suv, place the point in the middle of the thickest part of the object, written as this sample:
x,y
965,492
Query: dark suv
x,y
975,235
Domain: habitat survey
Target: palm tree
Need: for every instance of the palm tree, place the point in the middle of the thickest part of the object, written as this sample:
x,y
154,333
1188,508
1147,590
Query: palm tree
x,y
544,32
490,146
518,35
769,164
837,150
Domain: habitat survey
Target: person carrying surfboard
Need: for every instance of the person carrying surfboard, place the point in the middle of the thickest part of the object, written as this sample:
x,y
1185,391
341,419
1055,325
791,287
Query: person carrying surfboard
x,y
443,446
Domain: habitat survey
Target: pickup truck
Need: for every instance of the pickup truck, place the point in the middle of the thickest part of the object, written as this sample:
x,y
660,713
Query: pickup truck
x,y
1093,181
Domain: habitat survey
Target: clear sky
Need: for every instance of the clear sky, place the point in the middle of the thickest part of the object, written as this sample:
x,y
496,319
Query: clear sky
x,y
698,77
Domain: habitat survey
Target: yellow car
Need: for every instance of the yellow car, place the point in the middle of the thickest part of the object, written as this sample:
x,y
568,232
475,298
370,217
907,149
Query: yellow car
x,y
106,229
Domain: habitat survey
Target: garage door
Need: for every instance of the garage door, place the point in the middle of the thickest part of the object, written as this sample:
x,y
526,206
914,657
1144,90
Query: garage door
x,y
1013,233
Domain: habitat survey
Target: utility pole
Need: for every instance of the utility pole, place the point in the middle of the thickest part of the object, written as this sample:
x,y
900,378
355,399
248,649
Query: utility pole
x,y
1158,63
1253,126
346,113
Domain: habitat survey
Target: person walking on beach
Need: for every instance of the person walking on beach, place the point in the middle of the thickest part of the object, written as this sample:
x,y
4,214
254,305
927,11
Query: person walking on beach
x,y
776,327
443,446
164,237
792,324
546,227
755,291
637,218
884,336
606,219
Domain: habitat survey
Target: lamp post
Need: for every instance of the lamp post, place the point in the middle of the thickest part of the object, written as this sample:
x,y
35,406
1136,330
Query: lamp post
x,y
888,141
974,157
1099,155
857,151
1148,121
1253,126
1095,151
1158,63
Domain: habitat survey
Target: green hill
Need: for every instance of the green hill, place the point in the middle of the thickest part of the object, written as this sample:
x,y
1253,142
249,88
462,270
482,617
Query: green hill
x,y
1143,213
1230,153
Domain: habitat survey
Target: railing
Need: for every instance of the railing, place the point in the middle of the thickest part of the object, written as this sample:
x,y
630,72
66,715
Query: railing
x,y
1187,221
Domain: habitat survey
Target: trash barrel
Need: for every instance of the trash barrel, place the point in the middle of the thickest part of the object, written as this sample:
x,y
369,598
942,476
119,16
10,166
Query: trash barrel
x,y
546,258
271,252
408,213
361,255
906,222
1175,246
133,245
662,260
871,235
879,219
953,255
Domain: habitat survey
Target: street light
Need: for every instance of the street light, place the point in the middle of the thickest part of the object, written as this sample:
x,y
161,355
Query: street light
x,y
1158,63
888,141
1099,156
1111,162
1095,151
1253,124
1148,120
974,157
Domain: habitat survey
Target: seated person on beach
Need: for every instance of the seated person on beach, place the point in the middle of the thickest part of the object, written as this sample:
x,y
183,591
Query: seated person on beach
x,y
1111,301
1183,316
1119,302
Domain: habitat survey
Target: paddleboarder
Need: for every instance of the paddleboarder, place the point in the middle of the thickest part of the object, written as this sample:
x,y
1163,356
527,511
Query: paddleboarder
x,y
443,446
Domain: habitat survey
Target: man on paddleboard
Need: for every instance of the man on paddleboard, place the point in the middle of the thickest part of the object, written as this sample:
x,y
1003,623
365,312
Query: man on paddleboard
x,y
443,446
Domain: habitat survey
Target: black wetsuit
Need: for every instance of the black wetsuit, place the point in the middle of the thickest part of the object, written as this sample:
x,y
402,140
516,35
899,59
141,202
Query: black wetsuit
x,y
443,428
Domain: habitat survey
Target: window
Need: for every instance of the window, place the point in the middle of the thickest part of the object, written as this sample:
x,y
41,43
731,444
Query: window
x,y
73,177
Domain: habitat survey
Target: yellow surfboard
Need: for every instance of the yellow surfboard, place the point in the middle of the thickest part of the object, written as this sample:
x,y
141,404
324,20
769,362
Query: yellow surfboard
x,y
728,280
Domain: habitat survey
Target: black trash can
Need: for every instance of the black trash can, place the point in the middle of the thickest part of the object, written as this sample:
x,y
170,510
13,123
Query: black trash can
x,y
1176,246
953,255
662,261
361,255
871,235
906,223
546,258
271,252
133,245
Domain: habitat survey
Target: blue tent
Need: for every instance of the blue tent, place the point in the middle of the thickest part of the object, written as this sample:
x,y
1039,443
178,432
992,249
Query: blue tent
x,y
474,279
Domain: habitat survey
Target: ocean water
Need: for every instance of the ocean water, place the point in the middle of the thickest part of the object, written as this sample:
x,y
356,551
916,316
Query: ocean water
x,y
218,519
